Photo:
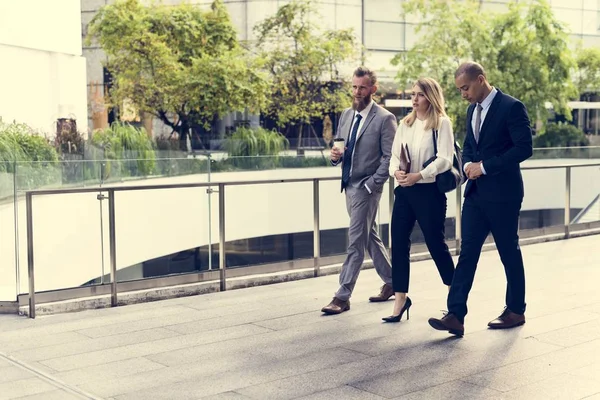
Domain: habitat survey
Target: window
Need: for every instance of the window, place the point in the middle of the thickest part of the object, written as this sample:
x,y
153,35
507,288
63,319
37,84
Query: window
x,y
384,35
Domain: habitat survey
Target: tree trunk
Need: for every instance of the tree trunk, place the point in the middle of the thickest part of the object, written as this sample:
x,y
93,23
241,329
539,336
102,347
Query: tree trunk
x,y
312,130
300,151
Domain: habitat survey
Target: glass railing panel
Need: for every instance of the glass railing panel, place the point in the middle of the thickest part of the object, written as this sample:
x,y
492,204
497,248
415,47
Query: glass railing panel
x,y
9,204
70,244
567,153
161,232
334,220
224,163
268,223
543,206
585,197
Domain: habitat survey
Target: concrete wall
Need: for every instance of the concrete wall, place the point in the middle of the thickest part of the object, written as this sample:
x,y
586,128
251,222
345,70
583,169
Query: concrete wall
x,y
150,224
42,73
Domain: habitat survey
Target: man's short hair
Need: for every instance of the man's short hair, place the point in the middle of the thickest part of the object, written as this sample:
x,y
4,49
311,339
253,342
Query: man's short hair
x,y
364,71
471,69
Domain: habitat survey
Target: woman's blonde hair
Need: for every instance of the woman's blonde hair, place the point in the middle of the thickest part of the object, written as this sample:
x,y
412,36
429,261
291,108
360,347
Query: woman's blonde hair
x,y
435,97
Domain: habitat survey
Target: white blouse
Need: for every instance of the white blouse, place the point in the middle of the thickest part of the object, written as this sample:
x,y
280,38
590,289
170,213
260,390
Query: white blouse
x,y
420,146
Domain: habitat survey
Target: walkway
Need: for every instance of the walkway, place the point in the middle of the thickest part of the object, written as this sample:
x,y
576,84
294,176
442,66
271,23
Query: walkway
x,y
271,342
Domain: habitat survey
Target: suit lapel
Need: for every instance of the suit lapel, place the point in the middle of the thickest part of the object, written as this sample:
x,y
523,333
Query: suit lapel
x,y
346,124
370,117
490,115
470,120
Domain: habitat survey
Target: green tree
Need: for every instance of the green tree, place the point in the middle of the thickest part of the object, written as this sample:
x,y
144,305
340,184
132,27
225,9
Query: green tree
x,y
587,74
524,51
179,63
304,65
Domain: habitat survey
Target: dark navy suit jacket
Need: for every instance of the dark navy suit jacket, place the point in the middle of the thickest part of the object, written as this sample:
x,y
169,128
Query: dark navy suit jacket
x,y
504,142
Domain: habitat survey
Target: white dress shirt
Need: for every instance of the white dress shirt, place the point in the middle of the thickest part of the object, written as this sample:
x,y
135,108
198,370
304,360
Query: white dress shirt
x,y
420,146
485,107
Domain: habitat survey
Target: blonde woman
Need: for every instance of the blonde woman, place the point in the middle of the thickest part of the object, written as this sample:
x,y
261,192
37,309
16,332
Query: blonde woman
x,y
417,197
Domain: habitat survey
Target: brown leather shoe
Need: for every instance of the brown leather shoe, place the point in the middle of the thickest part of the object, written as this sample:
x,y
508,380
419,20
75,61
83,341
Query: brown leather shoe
x,y
336,306
450,323
507,320
384,295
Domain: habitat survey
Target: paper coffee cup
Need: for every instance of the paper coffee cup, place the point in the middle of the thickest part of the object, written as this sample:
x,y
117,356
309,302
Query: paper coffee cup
x,y
339,143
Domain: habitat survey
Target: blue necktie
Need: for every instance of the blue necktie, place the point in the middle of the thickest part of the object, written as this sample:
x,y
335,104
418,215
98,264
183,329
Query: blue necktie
x,y
348,154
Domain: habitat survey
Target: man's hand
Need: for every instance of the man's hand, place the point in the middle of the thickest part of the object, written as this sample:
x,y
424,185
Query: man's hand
x,y
473,170
336,154
410,179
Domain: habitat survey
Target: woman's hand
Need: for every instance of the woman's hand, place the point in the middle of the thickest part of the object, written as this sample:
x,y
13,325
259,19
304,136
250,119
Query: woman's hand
x,y
410,179
399,175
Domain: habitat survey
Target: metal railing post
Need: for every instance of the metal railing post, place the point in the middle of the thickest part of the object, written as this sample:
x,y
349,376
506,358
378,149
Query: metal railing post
x,y
222,254
112,247
30,269
567,202
458,219
316,230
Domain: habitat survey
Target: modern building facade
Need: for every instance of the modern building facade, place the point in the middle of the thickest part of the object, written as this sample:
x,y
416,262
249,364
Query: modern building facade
x,y
378,25
42,73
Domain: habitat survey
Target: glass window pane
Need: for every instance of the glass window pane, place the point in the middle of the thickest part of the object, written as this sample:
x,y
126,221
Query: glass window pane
x,y
572,4
591,24
383,10
384,35
571,18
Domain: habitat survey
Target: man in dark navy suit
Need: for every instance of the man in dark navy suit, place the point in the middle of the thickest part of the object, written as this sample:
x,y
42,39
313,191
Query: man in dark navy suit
x,y
498,140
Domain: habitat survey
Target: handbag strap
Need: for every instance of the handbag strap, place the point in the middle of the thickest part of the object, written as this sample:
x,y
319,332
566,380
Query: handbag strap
x,y
434,134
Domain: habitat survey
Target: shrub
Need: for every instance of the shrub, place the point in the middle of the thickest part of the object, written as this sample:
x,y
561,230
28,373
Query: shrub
x,y
255,142
29,155
129,151
561,135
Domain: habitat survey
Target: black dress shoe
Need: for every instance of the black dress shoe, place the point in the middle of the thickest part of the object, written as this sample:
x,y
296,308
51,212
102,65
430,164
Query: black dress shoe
x,y
507,320
450,323
397,318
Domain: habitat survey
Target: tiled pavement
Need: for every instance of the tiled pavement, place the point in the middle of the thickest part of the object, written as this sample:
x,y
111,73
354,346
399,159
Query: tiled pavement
x,y
271,342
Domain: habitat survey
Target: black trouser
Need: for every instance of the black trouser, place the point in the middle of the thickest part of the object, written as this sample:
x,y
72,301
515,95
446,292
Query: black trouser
x,y
424,203
479,218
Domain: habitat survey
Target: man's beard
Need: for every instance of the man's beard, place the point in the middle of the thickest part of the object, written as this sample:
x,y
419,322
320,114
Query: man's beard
x,y
361,104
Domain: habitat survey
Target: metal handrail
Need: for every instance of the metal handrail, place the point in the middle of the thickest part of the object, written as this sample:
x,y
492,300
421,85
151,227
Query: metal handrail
x,y
221,192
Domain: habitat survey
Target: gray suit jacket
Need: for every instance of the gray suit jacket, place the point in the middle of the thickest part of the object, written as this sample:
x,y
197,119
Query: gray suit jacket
x,y
373,148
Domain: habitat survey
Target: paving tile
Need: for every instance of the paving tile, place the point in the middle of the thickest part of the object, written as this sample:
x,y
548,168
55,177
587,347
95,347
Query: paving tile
x,y
455,390
24,387
89,345
109,371
13,373
206,384
573,335
342,392
533,370
561,387
53,395
226,396
147,348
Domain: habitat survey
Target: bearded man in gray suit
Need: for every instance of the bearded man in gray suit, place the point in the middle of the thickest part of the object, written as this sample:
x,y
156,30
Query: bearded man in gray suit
x,y
368,132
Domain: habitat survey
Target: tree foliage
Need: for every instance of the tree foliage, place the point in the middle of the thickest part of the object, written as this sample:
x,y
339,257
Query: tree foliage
x,y
561,135
179,63
304,64
524,51
587,75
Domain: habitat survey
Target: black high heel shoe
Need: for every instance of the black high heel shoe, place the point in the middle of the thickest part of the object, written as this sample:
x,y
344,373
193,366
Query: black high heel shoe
x,y
397,318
